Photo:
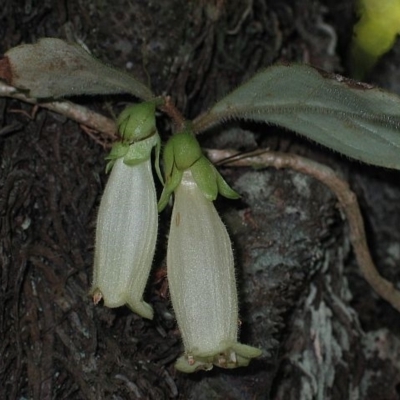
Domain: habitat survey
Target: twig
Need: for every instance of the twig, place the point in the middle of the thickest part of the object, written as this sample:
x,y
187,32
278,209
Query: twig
x,y
170,109
78,113
346,197
245,14
131,385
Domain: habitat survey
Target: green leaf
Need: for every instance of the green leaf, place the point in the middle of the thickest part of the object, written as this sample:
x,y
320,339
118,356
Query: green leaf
x,y
352,118
53,68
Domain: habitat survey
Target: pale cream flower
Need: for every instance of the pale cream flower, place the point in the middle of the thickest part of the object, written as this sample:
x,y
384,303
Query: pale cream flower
x,y
202,283
125,237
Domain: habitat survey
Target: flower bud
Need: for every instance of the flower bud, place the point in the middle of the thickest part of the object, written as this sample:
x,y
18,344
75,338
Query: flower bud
x,y
202,283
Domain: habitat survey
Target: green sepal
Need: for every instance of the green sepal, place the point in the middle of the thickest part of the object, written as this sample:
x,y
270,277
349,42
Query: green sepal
x,y
182,365
245,352
186,150
168,158
172,182
210,181
118,150
157,160
137,122
109,166
205,176
140,151
224,189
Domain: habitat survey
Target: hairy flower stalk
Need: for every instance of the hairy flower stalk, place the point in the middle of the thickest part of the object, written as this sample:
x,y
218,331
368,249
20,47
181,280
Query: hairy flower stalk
x,y
127,220
201,272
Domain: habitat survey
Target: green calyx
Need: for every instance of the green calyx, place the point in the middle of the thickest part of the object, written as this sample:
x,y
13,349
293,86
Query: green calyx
x,y
137,127
137,122
136,153
183,152
186,150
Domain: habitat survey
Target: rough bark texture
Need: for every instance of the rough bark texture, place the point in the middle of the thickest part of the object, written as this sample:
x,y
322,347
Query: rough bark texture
x,y
324,333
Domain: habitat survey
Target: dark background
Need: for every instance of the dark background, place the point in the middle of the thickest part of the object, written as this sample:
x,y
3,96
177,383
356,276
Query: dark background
x,y
325,334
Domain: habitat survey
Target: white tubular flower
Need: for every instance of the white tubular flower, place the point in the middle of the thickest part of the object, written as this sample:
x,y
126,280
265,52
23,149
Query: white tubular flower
x,y
125,237
127,221
202,283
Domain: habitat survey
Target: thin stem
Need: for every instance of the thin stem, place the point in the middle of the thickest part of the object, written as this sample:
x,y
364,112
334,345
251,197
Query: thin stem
x,y
170,109
346,197
73,111
89,118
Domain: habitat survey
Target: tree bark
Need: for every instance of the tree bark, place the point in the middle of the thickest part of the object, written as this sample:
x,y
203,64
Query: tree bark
x,y
324,333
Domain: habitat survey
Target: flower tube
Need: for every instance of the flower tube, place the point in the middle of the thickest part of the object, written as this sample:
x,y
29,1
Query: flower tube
x,y
201,272
127,220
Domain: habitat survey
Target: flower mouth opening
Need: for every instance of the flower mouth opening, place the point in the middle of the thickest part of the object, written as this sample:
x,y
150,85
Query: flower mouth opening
x,y
234,356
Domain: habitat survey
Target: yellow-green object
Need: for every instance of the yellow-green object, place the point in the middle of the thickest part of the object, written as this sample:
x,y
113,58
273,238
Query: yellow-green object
x,y
374,34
